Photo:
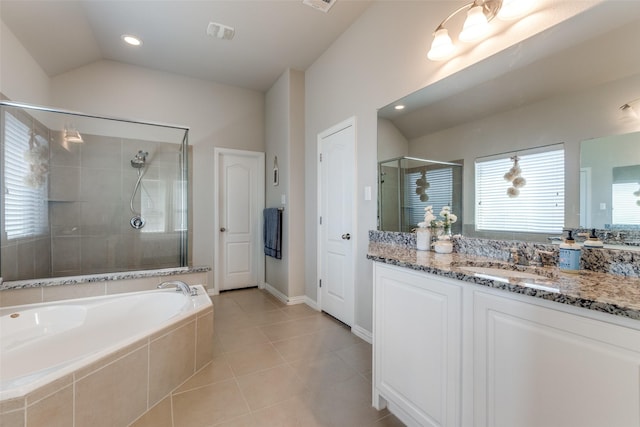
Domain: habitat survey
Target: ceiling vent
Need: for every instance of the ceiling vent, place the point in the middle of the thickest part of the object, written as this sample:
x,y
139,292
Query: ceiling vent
x,y
322,5
220,31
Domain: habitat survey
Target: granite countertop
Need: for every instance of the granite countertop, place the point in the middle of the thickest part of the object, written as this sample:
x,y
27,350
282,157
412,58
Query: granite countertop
x,y
604,292
72,280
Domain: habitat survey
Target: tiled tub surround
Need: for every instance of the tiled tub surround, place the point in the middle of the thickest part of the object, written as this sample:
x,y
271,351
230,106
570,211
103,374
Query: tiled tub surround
x,y
61,288
597,291
126,381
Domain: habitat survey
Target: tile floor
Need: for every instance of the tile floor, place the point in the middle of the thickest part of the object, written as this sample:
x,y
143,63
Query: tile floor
x,y
275,365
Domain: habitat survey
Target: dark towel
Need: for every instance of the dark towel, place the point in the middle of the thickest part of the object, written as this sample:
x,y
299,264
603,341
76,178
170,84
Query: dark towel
x,y
272,232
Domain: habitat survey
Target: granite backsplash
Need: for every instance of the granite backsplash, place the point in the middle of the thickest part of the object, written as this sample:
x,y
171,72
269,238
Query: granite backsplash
x,y
603,260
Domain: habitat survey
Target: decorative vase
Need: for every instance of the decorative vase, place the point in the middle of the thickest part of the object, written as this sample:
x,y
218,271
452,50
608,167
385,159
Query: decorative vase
x,y
423,239
443,246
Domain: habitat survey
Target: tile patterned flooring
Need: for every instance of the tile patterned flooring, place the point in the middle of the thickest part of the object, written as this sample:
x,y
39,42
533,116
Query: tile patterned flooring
x,y
275,365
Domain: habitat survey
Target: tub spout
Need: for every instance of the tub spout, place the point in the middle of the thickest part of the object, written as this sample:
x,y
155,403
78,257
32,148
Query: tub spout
x,y
180,287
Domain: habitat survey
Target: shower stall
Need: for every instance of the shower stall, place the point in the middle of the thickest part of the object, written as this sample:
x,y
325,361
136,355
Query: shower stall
x,y
408,184
84,194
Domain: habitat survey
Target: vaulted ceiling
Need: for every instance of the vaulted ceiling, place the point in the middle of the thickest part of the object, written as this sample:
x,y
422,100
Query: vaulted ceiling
x,y
270,35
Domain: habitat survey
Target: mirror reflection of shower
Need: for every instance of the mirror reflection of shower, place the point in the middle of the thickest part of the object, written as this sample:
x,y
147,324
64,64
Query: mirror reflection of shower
x,y
139,162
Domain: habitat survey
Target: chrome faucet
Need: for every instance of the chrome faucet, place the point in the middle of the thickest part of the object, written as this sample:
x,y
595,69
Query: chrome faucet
x,y
180,287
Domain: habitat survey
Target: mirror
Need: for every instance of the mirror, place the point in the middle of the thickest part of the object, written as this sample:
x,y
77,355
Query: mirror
x,y
563,86
89,195
610,182
408,185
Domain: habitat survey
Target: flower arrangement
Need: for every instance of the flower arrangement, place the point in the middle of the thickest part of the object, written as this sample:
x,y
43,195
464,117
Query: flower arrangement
x,y
431,221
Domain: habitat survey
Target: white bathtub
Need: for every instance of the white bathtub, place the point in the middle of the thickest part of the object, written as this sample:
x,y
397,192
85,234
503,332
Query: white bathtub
x,y
40,343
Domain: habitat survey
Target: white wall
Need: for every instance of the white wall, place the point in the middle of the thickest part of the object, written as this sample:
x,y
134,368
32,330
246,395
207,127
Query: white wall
x,y
380,58
21,78
285,139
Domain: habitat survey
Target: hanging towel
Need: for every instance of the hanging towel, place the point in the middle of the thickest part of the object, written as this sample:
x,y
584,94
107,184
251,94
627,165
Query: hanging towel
x,y
272,232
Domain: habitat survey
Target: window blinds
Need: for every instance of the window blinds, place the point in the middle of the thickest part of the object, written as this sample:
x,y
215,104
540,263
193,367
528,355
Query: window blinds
x,y
440,194
625,209
540,206
25,207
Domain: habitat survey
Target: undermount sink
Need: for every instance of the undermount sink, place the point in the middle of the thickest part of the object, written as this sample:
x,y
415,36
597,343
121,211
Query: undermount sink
x,y
501,272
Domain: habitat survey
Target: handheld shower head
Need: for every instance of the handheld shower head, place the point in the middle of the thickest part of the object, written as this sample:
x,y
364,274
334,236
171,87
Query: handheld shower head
x,y
139,160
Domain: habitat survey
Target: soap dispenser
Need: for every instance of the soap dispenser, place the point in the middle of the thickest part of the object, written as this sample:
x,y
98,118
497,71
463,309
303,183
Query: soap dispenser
x,y
569,255
593,241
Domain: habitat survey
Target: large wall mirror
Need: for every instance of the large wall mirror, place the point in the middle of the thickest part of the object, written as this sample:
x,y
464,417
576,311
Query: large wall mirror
x,y
559,90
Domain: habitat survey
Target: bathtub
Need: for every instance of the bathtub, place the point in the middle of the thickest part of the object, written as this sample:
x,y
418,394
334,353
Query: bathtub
x,y
42,343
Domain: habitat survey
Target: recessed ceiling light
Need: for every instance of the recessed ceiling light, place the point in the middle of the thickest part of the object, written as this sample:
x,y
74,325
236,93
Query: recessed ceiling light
x,y
399,107
132,40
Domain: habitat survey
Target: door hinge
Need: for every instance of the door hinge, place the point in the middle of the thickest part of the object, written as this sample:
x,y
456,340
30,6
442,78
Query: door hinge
x,y
320,220
320,156
320,283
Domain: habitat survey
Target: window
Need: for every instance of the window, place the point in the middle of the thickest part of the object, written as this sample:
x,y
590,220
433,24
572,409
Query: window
x,y
625,209
539,208
25,194
440,194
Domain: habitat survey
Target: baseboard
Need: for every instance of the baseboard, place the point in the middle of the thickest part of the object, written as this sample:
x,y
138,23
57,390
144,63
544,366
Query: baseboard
x,y
282,297
362,333
311,303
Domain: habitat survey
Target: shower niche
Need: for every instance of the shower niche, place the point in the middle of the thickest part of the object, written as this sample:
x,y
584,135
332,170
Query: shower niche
x,y
88,195
408,184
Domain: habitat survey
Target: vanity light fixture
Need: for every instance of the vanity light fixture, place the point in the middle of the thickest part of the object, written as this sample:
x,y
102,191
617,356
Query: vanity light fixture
x,y
131,40
476,25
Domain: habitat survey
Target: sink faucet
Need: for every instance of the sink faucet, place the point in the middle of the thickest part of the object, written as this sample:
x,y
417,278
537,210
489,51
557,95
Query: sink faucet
x,y
180,287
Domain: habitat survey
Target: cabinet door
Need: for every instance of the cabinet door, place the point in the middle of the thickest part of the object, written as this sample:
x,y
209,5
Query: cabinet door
x,y
417,339
538,367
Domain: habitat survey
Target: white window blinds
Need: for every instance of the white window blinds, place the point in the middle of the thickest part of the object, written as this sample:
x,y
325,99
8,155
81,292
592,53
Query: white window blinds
x,y
440,193
539,208
25,205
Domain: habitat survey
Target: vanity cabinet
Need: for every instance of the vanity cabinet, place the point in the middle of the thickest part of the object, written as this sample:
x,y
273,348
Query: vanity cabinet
x,y
535,366
452,353
417,352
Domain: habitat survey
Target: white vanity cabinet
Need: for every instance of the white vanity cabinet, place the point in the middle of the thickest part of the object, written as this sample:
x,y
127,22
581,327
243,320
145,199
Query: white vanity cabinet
x,y
452,353
417,352
540,367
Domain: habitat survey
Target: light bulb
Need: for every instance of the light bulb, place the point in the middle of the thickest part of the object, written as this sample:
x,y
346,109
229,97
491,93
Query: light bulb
x,y
475,26
442,46
514,9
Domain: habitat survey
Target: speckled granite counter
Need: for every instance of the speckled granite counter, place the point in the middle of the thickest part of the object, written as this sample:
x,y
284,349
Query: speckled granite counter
x,y
602,292
72,280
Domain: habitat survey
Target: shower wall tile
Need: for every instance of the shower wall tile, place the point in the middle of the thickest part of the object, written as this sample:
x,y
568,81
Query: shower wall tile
x,y
63,156
65,255
100,152
64,183
9,261
26,257
100,184
65,214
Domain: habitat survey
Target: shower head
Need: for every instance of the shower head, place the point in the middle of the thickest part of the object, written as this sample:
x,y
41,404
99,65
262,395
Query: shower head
x,y
139,160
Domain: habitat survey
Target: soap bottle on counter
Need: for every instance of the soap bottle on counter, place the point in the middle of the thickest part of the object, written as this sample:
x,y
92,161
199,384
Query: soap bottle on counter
x,y
569,255
593,241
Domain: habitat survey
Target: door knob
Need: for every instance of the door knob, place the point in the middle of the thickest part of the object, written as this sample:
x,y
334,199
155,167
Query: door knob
x,y
223,229
346,236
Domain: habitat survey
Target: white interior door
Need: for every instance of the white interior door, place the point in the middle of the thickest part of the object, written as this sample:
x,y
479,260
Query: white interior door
x,y
240,196
336,232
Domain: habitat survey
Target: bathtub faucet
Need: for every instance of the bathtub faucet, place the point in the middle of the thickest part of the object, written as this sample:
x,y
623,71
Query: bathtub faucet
x,y
180,287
